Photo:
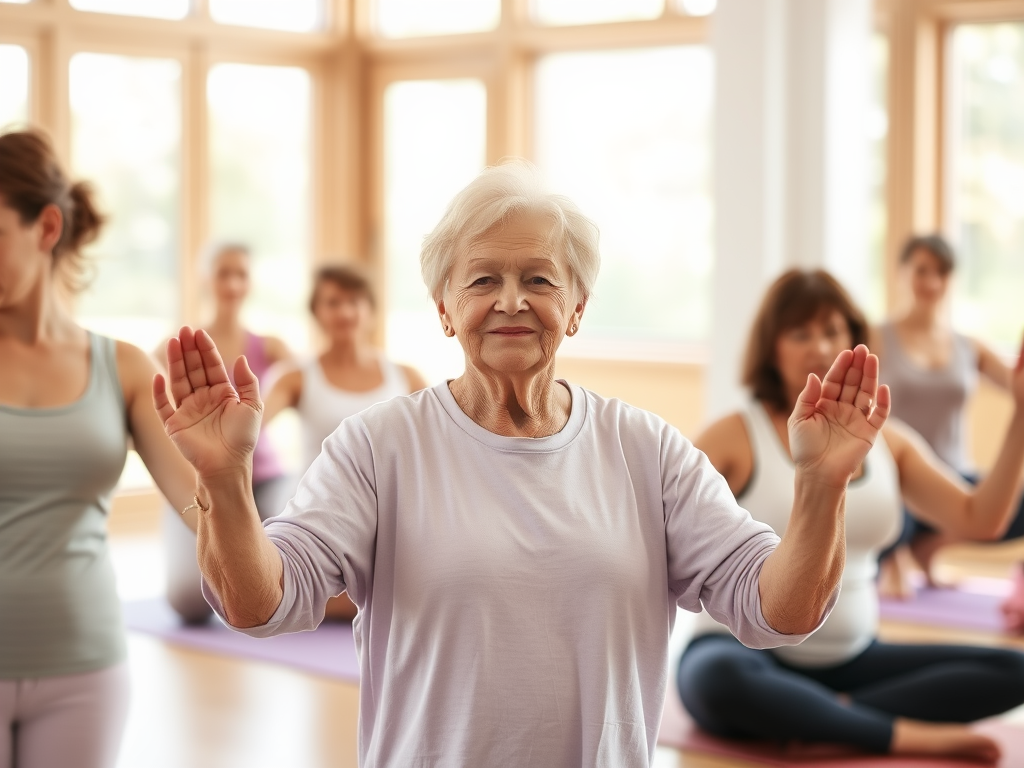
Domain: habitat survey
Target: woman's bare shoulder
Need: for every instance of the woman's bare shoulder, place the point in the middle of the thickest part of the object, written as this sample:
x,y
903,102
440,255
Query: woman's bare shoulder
x,y
726,443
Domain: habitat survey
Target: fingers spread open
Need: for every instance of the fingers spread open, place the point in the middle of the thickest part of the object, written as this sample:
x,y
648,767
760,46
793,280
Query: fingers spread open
x,y
883,404
163,406
193,359
246,382
213,364
832,386
854,375
868,385
808,398
180,385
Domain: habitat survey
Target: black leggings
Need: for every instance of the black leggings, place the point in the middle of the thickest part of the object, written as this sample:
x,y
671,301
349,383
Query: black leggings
x,y
736,692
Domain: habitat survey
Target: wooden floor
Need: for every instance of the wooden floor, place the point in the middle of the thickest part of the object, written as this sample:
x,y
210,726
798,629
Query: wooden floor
x,y
195,710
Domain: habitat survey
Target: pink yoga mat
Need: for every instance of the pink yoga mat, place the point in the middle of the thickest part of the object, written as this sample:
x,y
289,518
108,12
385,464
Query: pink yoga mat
x,y
973,604
329,650
677,730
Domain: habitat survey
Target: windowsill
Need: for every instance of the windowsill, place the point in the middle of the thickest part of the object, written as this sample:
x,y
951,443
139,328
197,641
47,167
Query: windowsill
x,y
678,352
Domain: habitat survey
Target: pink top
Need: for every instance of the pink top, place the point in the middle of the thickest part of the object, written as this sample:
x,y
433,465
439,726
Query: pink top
x,y
265,464
515,595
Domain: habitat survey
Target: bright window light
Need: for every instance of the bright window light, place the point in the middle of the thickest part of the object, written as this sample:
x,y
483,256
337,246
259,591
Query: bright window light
x,y
126,140
627,136
159,9
293,15
414,18
697,7
260,145
13,85
985,190
562,12
434,144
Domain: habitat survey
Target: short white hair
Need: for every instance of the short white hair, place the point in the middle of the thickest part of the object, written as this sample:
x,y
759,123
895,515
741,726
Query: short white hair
x,y
492,198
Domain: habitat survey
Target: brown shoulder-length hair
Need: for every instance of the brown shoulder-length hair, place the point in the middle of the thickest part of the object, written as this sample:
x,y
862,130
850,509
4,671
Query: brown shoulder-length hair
x,y
797,297
31,178
348,277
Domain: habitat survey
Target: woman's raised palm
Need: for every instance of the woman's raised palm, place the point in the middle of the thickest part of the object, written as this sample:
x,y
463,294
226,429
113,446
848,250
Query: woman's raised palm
x,y
213,424
835,421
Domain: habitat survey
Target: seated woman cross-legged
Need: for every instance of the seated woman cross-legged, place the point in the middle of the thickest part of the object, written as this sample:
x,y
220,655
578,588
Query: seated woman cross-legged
x,y
515,544
843,685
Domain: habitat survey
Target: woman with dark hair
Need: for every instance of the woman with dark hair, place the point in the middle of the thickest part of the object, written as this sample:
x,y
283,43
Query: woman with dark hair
x,y
932,371
843,685
226,269
348,377
69,401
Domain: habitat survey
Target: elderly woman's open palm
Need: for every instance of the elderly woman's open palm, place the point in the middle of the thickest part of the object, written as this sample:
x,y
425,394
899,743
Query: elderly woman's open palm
x,y
835,421
214,425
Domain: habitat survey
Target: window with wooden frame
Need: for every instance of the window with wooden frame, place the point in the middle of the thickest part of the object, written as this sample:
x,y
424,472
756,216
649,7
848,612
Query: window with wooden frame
x,y
611,100
956,152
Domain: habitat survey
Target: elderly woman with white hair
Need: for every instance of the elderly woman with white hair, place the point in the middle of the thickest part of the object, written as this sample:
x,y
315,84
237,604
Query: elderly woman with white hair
x,y
516,545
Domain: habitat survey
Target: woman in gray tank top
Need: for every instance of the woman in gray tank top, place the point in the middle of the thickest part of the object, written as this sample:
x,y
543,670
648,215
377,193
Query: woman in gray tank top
x,y
932,372
69,400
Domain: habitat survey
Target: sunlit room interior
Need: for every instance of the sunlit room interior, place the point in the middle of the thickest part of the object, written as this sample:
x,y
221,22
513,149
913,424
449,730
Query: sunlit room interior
x,y
715,143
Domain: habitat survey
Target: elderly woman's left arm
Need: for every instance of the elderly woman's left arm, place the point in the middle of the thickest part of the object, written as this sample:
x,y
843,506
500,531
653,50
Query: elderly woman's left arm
x,y
763,588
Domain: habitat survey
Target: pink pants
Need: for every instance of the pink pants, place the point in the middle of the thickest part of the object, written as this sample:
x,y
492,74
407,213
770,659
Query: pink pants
x,y
71,720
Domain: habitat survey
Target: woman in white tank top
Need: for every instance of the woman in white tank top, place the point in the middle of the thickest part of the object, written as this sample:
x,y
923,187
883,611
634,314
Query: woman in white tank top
x,y
842,685
348,377
932,372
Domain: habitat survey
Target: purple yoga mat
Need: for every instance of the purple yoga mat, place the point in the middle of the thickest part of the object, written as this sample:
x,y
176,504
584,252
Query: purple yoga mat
x,y
973,604
329,650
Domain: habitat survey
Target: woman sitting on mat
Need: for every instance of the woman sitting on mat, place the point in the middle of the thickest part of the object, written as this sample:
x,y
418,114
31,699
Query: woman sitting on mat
x,y
227,267
932,371
349,377
517,545
843,685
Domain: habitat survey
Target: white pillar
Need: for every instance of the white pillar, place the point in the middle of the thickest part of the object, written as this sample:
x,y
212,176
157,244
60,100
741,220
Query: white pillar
x,y
790,159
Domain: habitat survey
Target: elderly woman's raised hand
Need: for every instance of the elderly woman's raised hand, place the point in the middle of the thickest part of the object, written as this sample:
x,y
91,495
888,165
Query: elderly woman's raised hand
x,y
214,425
835,421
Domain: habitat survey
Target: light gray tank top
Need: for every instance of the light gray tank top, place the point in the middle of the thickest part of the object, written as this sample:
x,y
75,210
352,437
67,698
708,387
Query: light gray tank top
x,y
322,406
59,611
873,521
932,401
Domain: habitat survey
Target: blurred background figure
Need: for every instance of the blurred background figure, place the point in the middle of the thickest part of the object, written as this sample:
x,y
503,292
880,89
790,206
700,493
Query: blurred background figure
x,y
226,269
933,371
350,375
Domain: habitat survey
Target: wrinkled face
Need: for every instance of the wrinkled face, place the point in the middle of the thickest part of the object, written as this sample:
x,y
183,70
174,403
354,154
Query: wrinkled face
x,y
511,299
811,348
230,279
25,252
345,316
929,282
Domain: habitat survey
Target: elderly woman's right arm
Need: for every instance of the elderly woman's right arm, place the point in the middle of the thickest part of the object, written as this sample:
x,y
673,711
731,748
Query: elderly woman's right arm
x,y
786,590
215,428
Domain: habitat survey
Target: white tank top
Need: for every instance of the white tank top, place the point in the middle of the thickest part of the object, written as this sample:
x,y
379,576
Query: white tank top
x,y
323,406
873,521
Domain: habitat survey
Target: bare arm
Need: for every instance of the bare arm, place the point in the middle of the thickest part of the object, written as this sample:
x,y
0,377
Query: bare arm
x,y
276,350
992,367
832,428
173,475
415,379
284,393
727,446
941,498
215,428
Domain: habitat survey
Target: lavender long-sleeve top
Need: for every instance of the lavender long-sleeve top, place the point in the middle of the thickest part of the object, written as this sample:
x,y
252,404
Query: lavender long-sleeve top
x,y
515,595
